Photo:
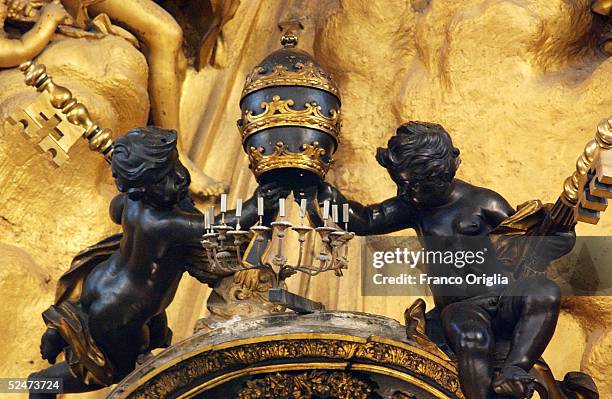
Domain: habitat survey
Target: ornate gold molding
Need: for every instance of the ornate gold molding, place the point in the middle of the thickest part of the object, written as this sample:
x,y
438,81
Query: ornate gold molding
x,y
309,159
335,384
283,352
279,113
305,75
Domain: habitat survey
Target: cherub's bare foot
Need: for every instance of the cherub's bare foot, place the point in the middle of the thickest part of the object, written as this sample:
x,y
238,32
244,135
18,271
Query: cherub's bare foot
x,y
515,382
51,345
202,185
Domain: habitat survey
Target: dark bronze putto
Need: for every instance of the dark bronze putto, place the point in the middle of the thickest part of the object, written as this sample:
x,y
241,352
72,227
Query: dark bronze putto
x,y
290,121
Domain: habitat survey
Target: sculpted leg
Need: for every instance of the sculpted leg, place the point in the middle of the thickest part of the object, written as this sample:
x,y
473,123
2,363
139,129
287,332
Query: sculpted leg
x,y
535,305
163,37
468,330
536,312
122,337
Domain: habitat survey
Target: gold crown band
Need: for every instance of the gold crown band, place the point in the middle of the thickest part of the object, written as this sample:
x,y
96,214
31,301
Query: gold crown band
x,y
279,113
309,159
306,75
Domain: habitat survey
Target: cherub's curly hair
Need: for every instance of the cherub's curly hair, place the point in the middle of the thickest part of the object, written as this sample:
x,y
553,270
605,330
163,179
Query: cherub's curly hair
x,y
426,149
141,157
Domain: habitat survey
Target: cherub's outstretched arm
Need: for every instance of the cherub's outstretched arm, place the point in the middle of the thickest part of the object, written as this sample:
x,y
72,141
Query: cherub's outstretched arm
x,y
15,51
386,217
270,193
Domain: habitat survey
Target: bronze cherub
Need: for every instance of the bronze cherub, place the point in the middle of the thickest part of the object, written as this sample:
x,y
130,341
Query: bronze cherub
x,y
110,306
422,161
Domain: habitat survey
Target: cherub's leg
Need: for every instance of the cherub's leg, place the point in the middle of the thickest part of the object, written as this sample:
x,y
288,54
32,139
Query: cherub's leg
x,y
71,384
534,303
163,37
468,330
121,336
160,333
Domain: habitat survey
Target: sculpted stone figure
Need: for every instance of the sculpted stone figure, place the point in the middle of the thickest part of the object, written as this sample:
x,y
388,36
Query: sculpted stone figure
x,y
422,161
163,37
153,27
110,305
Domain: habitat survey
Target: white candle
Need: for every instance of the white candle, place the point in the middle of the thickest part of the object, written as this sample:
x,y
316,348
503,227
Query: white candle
x,y
260,207
281,207
211,215
206,221
239,207
223,203
325,210
345,213
335,213
303,207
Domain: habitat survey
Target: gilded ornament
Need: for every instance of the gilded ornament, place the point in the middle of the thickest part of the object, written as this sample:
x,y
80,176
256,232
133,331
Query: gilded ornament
x,y
377,355
290,98
279,112
305,74
309,385
311,158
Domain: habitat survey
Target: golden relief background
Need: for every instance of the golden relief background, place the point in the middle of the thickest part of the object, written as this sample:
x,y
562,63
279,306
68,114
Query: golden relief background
x,y
517,83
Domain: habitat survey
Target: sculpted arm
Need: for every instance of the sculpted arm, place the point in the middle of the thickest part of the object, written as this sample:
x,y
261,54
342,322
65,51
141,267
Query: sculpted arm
x,y
186,228
495,207
382,218
15,51
116,208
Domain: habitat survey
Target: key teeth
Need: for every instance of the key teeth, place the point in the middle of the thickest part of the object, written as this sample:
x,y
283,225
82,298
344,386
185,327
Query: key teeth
x,y
587,215
603,166
594,203
599,189
50,146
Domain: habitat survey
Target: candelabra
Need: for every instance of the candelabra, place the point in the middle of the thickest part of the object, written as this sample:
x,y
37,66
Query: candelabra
x,y
225,250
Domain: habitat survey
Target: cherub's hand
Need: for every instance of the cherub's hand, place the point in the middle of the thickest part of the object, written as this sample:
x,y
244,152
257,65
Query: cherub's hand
x,y
57,13
326,192
320,190
19,8
271,193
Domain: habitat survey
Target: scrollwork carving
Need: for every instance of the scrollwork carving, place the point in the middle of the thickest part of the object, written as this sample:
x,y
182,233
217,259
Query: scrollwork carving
x,y
310,385
424,367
